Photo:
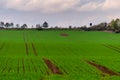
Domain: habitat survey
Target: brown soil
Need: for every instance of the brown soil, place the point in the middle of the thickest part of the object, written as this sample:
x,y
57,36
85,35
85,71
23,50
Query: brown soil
x,y
34,50
65,35
103,69
54,69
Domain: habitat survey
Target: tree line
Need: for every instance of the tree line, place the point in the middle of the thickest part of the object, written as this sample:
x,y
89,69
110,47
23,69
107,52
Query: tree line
x,y
6,25
113,26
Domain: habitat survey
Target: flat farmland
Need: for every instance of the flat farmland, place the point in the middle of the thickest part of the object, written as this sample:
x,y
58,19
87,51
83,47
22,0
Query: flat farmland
x,y
59,55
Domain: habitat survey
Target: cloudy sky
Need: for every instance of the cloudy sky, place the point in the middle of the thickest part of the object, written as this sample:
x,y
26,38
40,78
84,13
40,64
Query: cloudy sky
x,y
59,12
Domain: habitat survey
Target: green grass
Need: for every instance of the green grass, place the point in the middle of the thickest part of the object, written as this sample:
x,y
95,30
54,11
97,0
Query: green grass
x,y
68,53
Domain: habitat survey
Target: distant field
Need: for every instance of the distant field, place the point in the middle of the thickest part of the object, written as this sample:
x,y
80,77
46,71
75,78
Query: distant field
x,y
59,55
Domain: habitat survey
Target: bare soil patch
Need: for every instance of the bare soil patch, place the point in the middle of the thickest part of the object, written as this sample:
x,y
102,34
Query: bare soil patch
x,y
54,69
64,35
35,53
103,69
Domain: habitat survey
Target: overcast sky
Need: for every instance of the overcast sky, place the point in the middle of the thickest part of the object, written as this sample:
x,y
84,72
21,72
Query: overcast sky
x,y
59,12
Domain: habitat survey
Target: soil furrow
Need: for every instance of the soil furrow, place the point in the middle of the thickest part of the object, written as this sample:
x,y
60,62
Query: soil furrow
x,y
103,69
54,69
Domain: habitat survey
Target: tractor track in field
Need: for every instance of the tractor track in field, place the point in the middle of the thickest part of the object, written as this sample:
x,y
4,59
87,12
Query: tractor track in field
x,y
26,44
103,69
23,65
34,49
33,66
113,48
54,69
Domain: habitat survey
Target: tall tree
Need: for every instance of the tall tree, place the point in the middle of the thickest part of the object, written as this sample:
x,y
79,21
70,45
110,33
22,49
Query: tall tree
x,y
24,26
2,24
17,25
7,25
12,24
45,24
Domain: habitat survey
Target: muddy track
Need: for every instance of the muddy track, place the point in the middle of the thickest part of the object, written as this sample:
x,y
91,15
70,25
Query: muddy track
x,y
23,66
35,53
103,69
64,35
54,69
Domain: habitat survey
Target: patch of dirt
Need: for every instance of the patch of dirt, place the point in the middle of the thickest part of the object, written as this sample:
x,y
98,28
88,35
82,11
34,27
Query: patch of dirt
x,y
54,69
103,69
64,35
35,53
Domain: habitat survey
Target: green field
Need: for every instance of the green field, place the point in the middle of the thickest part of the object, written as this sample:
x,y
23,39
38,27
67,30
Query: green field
x,y
22,53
